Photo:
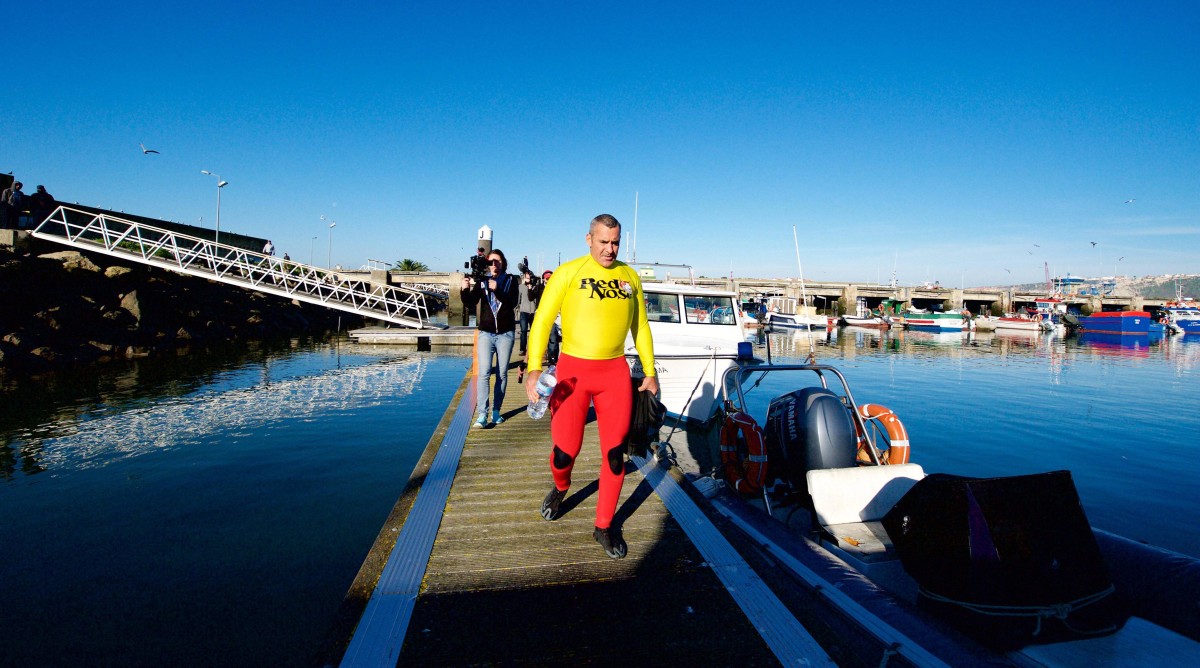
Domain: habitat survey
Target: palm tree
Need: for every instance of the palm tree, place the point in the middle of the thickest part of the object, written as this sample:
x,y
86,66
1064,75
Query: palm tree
x,y
411,265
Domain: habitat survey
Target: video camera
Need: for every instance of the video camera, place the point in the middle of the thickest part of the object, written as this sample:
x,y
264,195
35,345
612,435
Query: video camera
x,y
478,264
531,279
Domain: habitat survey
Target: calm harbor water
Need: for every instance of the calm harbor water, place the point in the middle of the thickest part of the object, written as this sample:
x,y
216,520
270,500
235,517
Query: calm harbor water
x,y
215,511
184,514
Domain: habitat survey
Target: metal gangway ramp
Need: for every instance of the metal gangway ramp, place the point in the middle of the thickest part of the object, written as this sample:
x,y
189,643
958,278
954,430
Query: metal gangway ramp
x,y
138,242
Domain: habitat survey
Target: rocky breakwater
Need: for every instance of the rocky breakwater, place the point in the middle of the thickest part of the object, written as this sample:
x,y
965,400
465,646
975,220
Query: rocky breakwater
x,y
68,309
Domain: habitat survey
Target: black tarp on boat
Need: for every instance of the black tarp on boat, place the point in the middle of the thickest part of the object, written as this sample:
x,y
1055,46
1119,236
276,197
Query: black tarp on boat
x,y
1010,561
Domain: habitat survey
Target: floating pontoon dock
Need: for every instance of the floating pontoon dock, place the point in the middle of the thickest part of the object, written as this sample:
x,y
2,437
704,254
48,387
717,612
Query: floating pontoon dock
x,y
466,572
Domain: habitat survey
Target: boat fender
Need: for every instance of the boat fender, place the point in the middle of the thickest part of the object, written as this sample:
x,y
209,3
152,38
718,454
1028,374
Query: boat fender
x,y
898,450
747,476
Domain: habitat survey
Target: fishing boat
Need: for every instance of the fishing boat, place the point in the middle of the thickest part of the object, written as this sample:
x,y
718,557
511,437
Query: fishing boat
x,y
787,313
935,569
864,317
1020,322
698,335
1182,314
938,321
1053,311
1123,323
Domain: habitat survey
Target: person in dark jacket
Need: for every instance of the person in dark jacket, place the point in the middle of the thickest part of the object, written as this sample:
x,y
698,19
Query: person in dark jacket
x,y
496,297
41,205
12,204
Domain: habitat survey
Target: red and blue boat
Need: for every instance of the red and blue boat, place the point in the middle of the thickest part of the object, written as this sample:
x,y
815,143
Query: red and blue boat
x,y
1121,323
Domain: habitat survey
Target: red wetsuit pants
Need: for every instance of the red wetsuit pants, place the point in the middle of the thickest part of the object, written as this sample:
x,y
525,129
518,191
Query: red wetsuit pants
x,y
605,384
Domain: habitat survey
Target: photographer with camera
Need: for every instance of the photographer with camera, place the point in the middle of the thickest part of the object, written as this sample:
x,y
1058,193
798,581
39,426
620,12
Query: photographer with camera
x,y
531,292
495,293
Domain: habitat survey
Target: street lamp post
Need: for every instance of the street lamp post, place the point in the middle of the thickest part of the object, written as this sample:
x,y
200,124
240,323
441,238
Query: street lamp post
x,y
220,184
329,248
311,242
329,258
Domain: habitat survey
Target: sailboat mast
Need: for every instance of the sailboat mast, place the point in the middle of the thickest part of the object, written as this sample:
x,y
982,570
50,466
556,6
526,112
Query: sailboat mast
x,y
812,353
633,246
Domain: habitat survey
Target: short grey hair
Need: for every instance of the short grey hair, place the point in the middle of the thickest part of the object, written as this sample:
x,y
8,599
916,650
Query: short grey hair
x,y
604,219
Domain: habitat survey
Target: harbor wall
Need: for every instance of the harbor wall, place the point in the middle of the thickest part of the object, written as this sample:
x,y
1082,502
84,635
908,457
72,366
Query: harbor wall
x,y
69,308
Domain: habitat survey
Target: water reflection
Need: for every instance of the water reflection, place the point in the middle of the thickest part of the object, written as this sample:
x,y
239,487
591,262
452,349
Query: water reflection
x,y
258,479
180,421
89,418
1183,352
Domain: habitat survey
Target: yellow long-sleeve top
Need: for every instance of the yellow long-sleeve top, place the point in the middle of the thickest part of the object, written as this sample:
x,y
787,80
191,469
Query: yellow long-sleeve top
x,y
599,306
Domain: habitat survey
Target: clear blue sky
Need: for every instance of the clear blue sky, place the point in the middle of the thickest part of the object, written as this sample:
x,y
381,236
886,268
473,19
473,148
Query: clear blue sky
x,y
959,142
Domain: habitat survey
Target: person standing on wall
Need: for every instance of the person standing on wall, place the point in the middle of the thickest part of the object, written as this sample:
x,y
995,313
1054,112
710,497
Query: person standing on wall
x,y
496,296
600,300
41,205
12,200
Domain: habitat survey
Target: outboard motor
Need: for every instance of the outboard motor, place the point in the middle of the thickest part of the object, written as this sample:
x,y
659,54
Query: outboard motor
x,y
808,429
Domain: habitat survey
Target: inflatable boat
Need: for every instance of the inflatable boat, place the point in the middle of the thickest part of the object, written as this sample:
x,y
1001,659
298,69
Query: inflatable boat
x,y
932,568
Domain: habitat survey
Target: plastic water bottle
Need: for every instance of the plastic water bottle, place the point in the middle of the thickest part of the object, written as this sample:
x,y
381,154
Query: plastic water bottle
x,y
545,387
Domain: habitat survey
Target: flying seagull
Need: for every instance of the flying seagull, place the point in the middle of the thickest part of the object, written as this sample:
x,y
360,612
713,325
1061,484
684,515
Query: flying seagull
x,y
1093,244
147,150
1036,246
1120,258
1008,270
1131,200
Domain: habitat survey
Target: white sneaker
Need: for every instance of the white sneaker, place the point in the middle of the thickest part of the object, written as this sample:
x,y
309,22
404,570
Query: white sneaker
x,y
480,422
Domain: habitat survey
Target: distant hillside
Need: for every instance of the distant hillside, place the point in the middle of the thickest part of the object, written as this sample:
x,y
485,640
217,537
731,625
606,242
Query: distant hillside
x,y
1165,289
1149,287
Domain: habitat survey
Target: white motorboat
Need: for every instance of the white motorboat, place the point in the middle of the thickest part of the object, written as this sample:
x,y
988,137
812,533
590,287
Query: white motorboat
x,y
863,317
939,570
787,313
697,336
1020,323
1181,315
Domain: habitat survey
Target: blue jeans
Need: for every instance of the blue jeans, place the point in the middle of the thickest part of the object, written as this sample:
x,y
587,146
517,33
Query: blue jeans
x,y
526,323
501,345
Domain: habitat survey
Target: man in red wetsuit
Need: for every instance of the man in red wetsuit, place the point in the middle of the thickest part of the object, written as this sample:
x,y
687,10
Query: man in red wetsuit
x,y
600,301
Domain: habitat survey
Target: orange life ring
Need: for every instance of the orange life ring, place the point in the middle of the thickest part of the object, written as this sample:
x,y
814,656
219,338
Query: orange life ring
x,y
748,476
898,450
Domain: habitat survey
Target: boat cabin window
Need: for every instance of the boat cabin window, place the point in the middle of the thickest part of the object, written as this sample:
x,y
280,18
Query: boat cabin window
x,y
662,307
708,310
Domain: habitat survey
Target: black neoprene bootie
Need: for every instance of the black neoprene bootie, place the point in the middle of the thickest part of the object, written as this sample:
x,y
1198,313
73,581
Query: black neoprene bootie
x,y
551,503
610,539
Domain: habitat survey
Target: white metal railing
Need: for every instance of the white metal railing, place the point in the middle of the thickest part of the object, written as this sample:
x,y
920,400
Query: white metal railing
x,y
235,266
439,290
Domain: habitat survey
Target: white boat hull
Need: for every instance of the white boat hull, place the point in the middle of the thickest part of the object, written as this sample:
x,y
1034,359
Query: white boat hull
x,y
865,321
784,321
688,384
936,324
1017,324
692,352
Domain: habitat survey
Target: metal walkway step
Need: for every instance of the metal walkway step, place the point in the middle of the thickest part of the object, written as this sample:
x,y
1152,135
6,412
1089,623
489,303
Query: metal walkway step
x,y
145,244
